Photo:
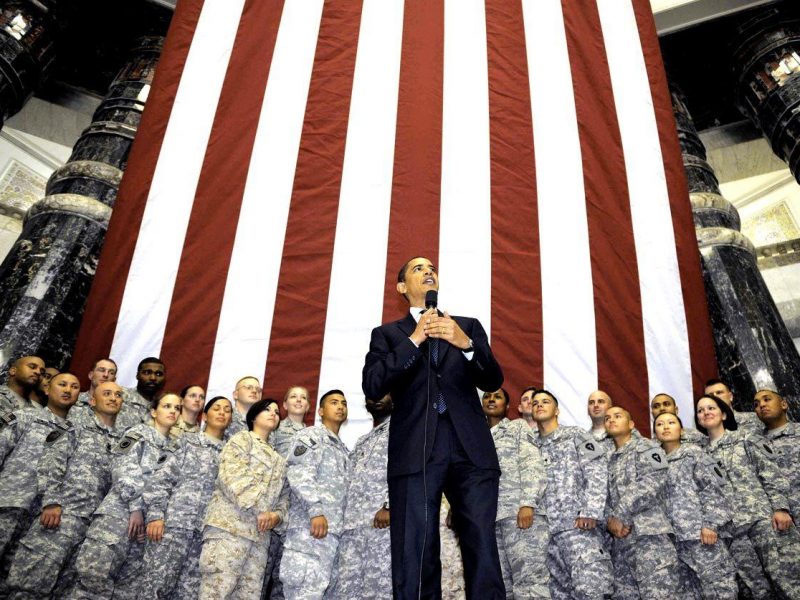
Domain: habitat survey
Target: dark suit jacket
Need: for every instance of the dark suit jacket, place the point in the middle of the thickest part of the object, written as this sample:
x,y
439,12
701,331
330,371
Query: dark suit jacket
x,y
394,364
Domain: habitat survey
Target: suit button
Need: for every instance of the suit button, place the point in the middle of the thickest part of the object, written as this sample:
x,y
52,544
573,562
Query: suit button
x,y
438,375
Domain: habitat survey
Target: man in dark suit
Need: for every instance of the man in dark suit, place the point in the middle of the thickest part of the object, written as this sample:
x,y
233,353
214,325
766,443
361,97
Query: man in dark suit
x,y
431,364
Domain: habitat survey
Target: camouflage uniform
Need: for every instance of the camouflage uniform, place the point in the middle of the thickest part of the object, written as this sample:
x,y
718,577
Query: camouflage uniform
x,y
135,410
109,563
250,481
11,401
281,440
453,586
748,422
363,567
178,494
182,427
238,424
317,476
787,440
83,399
75,474
756,489
522,483
22,437
576,487
645,561
695,500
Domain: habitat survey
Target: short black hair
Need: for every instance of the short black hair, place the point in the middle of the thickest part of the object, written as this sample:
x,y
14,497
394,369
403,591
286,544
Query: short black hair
x,y
257,408
711,382
664,394
531,388
213,401
549,393
728,418
150,359
330,393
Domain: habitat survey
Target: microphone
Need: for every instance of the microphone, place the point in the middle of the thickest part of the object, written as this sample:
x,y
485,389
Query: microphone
x,y
431,299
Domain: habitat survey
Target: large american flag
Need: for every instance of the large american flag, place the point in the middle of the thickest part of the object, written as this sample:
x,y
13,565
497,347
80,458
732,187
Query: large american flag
x,y
293,154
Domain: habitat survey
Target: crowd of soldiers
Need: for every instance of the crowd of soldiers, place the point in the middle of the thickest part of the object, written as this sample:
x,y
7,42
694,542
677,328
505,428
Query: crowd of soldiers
x,y
137,493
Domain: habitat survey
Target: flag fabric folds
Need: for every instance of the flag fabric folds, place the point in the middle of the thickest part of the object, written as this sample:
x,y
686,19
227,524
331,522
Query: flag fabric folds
x,y
293,154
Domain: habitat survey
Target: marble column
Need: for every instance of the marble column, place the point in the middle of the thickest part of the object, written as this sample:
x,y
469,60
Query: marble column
x,y
27,41
753,347
45,279
766,60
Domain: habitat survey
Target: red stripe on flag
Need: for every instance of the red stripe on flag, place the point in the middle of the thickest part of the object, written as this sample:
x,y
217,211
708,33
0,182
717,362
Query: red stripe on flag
x,y
621,359
417,178
211,232
516,274
295,348
102,308
701,341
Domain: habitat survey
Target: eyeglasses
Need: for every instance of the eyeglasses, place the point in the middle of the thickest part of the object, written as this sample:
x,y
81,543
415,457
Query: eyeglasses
x,y
250,388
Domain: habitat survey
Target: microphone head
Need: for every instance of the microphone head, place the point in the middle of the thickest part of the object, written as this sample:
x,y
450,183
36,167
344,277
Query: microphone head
x,y
431,298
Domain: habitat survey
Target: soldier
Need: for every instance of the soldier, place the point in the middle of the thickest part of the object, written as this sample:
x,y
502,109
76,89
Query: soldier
x,y
699,514
765,540
597,405
248,502
574,501
664,403
22,439
74,476
644,557
176,498
151,374
39,393
772,409
109,562
746,421
296,404
102,370
246,393
193,400
317,477
23,377
525,406
363,569
521,525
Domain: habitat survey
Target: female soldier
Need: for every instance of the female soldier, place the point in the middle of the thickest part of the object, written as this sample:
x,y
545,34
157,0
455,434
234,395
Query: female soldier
x,y
193,397
245,506
176,498
765,541
109,562
699,513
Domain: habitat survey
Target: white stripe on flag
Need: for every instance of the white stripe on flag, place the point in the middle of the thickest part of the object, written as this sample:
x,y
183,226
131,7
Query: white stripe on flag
x,y
362,226
465,230
570,345
154,265
665,331
247,308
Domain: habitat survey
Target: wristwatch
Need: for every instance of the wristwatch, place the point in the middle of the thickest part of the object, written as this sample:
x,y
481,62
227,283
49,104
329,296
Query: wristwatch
x,y
470,348
385,506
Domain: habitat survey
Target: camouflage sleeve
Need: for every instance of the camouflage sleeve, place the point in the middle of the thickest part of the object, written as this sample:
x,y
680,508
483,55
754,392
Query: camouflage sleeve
x,y
533,476
159,488
236,479
126,470
53,466
282,506
10,431
710,481
651,466
594,465
301,473
764,457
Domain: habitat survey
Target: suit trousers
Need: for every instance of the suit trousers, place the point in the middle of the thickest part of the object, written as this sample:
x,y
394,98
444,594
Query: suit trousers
x,y
414,502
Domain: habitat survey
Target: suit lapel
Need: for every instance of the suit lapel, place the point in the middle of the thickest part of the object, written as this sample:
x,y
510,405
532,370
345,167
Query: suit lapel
x,y
407,325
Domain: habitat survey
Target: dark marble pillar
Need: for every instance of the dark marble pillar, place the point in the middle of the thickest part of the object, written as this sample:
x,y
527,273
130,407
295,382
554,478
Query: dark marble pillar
x,y
45,279
766,60
753,347
27,41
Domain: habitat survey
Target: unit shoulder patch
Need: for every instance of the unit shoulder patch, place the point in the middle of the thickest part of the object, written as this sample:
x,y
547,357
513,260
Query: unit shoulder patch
x,y
53,436
129,440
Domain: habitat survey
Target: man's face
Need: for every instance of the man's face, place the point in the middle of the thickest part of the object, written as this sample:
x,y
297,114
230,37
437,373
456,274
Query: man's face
x,y
296,403
661,404
378,408
494,404
27,371
544,408
421,277
107,398
44,380
104,370
525,405
599,402
151,377
769,405
721,391
247,391
63,391
617,422
334,409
